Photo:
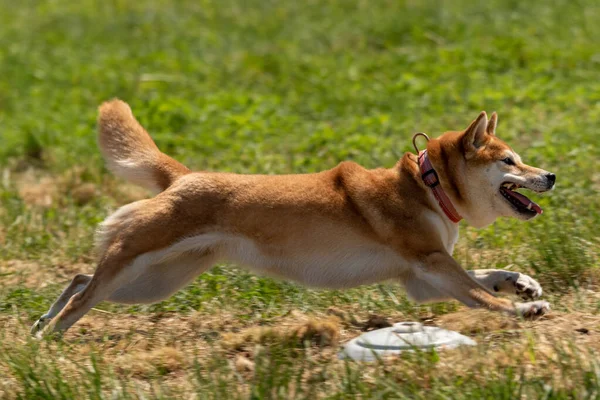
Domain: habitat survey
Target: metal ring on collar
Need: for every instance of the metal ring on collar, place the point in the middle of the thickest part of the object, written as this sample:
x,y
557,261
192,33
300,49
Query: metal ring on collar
x,y
414,140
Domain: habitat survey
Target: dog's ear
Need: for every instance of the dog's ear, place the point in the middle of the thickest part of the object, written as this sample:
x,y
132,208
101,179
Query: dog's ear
x,y
491,126
475,135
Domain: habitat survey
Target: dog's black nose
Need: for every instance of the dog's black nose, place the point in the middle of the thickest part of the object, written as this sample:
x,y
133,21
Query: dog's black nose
x,y
551,178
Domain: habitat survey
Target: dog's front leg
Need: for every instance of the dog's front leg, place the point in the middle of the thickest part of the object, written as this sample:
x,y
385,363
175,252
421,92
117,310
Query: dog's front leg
x,y
509,282
442,272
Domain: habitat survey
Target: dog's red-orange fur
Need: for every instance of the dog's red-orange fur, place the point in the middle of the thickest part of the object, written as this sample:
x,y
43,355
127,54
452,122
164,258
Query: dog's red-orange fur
x,y
343,227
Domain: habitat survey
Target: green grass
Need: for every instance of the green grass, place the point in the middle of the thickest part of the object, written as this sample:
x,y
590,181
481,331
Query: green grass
x,y
281,87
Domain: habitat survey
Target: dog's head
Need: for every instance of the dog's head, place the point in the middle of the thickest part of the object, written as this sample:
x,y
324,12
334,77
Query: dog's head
x,y
483,174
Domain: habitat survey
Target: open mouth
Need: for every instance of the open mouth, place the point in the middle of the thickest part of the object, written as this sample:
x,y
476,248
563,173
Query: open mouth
x,y
519,202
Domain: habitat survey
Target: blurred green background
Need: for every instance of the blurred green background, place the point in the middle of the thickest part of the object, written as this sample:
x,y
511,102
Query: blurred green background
x,y
280,87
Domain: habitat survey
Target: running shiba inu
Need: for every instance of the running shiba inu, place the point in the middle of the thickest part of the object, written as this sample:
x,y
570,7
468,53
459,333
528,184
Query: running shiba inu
x,y
344,227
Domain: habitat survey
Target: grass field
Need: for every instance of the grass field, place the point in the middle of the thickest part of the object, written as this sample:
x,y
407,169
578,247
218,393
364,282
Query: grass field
x,y
278,87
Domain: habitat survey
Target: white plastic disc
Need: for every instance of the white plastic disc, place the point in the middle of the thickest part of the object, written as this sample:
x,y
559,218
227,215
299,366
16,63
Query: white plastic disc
x,y
403,336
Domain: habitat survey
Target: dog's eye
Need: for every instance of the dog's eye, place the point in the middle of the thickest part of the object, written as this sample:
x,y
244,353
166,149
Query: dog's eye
x,y
508,161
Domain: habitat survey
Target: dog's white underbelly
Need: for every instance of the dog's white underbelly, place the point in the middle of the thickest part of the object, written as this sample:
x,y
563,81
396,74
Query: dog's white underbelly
x,y
328,265
335,267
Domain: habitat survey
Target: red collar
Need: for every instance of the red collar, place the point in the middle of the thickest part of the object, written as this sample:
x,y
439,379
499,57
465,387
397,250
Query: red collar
x,y
431,180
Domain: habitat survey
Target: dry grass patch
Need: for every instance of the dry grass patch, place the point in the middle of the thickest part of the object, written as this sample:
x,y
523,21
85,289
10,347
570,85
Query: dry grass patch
x,y
37,191
174,347
161,351
160,361
38,188
320,332
473,322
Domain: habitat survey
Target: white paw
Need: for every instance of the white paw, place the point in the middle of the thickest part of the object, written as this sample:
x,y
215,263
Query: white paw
x,y
533,309
522,285
527,287
38,326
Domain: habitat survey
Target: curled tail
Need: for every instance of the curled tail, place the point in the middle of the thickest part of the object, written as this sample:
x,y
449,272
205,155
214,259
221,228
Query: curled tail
x,y
130,152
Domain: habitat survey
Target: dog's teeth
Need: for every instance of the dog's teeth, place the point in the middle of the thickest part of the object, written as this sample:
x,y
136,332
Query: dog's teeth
x,y
529,207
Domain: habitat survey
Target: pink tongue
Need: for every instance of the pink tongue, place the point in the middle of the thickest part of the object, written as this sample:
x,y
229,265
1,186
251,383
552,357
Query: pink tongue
x,y
526,201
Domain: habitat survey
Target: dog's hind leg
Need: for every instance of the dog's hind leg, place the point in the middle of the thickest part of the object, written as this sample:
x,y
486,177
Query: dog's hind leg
x,y
134,230
79,282
160,281
155,283
110,274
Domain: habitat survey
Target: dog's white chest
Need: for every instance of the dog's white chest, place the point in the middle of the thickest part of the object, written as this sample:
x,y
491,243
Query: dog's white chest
x,y
447,230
